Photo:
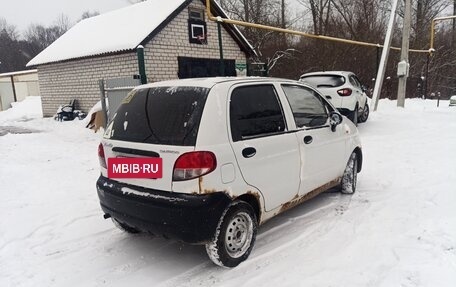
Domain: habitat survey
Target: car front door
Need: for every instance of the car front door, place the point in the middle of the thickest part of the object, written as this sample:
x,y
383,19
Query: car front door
x,y
267,154
321,149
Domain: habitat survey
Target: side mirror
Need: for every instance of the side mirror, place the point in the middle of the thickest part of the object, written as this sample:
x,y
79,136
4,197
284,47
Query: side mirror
x,y
364,88
334,120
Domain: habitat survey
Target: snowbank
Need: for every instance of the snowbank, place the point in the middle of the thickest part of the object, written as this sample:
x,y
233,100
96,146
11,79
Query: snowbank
x,y
29,108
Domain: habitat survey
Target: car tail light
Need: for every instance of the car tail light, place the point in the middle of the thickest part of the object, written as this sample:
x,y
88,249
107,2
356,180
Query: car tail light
x,y
101,156
194,164
344,92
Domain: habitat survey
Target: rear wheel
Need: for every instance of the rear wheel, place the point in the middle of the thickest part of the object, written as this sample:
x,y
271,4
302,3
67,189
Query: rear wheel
x,y
365,114
235,235
349,178
124,227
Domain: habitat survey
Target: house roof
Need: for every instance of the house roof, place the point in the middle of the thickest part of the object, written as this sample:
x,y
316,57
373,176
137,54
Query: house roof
x,y
18,73
121,30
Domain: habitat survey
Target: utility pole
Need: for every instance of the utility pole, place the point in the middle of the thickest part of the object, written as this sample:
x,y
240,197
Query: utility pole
x,y
283,21
403,66
385,53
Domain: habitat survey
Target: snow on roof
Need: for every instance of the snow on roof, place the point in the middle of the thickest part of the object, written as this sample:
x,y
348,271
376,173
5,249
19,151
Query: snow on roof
x,y
18,73
109,32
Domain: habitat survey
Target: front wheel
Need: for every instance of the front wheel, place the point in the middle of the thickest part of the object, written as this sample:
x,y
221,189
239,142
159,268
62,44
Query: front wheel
x,y
235,235
349,178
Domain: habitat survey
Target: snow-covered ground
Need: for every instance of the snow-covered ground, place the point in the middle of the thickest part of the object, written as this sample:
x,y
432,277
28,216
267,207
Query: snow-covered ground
x,y
398,229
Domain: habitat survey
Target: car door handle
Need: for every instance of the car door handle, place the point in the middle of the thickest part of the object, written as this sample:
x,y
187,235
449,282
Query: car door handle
x,y
248,152
308,139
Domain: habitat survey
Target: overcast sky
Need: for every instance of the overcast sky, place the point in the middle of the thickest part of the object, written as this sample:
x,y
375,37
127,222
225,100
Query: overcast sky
x,y
22,13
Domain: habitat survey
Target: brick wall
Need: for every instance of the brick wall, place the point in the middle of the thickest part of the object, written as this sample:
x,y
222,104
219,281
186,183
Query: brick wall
x,y
78,79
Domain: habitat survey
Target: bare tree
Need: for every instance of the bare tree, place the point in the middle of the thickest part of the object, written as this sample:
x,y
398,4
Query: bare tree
x,y
8,29
10,50
89,14
424,11
40,36
321,12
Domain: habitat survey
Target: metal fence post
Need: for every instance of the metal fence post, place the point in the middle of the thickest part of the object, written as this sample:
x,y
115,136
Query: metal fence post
x,y
141,64
103,102
222,64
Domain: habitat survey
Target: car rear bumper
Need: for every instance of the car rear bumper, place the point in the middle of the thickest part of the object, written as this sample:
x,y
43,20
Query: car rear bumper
x,y
185,217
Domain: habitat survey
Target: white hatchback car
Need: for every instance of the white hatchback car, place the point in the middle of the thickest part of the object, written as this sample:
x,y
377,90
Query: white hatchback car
x,y
344,90
235,153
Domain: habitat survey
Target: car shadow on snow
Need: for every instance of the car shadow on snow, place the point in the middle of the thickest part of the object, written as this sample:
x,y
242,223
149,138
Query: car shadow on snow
x,y
169,259
4,130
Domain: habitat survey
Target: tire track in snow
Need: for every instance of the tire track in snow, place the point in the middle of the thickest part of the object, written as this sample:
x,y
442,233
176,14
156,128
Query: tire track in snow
x,y
29,235
262,252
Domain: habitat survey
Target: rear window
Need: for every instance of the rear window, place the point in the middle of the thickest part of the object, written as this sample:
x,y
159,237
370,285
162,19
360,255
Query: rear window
x,y
161,115
324,81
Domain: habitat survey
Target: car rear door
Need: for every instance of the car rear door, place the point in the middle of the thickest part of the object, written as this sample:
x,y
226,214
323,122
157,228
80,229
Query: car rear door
x,y
321,149
267,154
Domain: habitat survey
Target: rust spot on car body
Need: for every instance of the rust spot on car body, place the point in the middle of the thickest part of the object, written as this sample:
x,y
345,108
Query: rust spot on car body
x,y
207,191
200,184
300,199
202,190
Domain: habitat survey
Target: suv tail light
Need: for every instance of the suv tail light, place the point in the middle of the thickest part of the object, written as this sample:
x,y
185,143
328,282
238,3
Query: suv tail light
x,y
344,92
101,156
194,164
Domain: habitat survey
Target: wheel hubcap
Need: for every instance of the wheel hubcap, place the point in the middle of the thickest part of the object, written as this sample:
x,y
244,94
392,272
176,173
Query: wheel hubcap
x,y
239,235
365,112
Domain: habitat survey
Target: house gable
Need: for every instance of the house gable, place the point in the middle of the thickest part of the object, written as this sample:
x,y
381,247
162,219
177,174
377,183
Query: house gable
x,y
171,43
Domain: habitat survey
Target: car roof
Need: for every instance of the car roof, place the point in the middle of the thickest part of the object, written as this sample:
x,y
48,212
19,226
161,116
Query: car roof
x,y
337,73
210,82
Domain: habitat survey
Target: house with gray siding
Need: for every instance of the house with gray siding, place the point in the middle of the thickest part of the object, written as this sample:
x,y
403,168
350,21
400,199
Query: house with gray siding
x,y
178,39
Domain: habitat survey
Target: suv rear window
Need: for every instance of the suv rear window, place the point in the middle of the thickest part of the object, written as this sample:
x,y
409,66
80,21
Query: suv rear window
x,y
161,115
324,81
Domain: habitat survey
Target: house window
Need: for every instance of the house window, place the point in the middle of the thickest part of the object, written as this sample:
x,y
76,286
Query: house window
x,y
197,30
196,14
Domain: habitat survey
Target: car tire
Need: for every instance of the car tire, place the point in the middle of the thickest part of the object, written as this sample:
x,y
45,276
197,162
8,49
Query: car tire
x,y
365,114
235,235
124,227
348,183
353,116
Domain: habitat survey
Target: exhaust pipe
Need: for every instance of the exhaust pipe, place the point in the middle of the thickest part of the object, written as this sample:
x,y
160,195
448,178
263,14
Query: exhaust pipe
x,y
106,216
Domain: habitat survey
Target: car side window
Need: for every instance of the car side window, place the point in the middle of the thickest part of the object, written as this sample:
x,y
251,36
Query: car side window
x,y
255,111
358,81
355,82
307,106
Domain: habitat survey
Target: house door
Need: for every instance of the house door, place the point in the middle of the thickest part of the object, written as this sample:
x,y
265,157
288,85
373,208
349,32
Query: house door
x,y
201,67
